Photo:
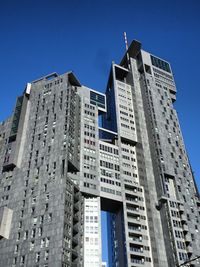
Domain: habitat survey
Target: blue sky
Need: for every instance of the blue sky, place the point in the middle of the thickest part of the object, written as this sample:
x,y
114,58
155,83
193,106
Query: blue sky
x,y
40,37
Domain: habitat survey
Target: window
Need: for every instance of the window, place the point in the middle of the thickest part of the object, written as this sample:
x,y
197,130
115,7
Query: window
x,y
22,259
46,255
46,206
37,257
32,244
22,213
25,235
193,237
16,248
33,200
47,242
41,219
18,236
32,210
42,243
40,230
47,167
45,187
20,225
161,64
54,165
49,217
14,261
33,233
34,220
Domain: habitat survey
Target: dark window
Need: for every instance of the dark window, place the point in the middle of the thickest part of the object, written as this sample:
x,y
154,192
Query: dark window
x,y
97,99
160,64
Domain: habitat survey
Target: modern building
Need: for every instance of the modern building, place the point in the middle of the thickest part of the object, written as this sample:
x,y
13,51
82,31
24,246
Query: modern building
x,y
68,152
92,235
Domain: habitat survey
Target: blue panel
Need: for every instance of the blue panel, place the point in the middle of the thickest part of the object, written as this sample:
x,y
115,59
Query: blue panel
x,y
97,99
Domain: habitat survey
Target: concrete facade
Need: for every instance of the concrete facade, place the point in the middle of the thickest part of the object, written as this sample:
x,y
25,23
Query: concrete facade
x,y
69,151
40,150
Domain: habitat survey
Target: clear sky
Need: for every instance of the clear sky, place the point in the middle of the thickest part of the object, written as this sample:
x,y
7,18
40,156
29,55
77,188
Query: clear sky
x,y
42,36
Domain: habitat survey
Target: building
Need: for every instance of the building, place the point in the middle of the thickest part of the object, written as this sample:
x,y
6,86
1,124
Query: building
x,y
39,147
69,151
92,235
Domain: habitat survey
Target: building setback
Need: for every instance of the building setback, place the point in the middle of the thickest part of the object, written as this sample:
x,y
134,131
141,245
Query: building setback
x,y
68,152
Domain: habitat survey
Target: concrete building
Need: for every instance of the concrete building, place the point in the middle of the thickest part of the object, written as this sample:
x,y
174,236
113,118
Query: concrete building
x,y
69,151
39,147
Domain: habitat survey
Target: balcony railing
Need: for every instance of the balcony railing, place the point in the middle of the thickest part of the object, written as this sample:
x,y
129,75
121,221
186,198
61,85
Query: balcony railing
x,y
136,239
140,250
137,261
134,228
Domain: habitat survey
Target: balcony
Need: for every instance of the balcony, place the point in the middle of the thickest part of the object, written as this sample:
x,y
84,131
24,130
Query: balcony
x,y
76,218
188,239
133,191
183,218
189,251
75,240
76,196
135,239
185,228
132,199
74,254
136,249
135,228
181,209
6,215
137,260
76,206
134,217
75,228
133,208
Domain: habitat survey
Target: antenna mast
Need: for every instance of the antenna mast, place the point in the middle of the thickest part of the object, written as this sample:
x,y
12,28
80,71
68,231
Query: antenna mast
x,y
126,41
127,55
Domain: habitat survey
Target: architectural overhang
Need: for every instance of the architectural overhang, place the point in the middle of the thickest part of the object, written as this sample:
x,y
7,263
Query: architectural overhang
x,y
132,51
73,80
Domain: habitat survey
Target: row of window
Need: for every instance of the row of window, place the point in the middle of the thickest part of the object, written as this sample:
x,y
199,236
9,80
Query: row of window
x,y
108,181
89,176
109,149
109,165
89,127
180,244
89,142
58,81
89,134
110,191
89,158
89,185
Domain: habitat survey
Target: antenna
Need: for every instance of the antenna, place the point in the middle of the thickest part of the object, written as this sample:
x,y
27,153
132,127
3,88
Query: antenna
x,y
126,41
127,55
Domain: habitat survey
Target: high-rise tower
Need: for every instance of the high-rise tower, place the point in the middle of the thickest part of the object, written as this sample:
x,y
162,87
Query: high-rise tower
x,y
69,151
